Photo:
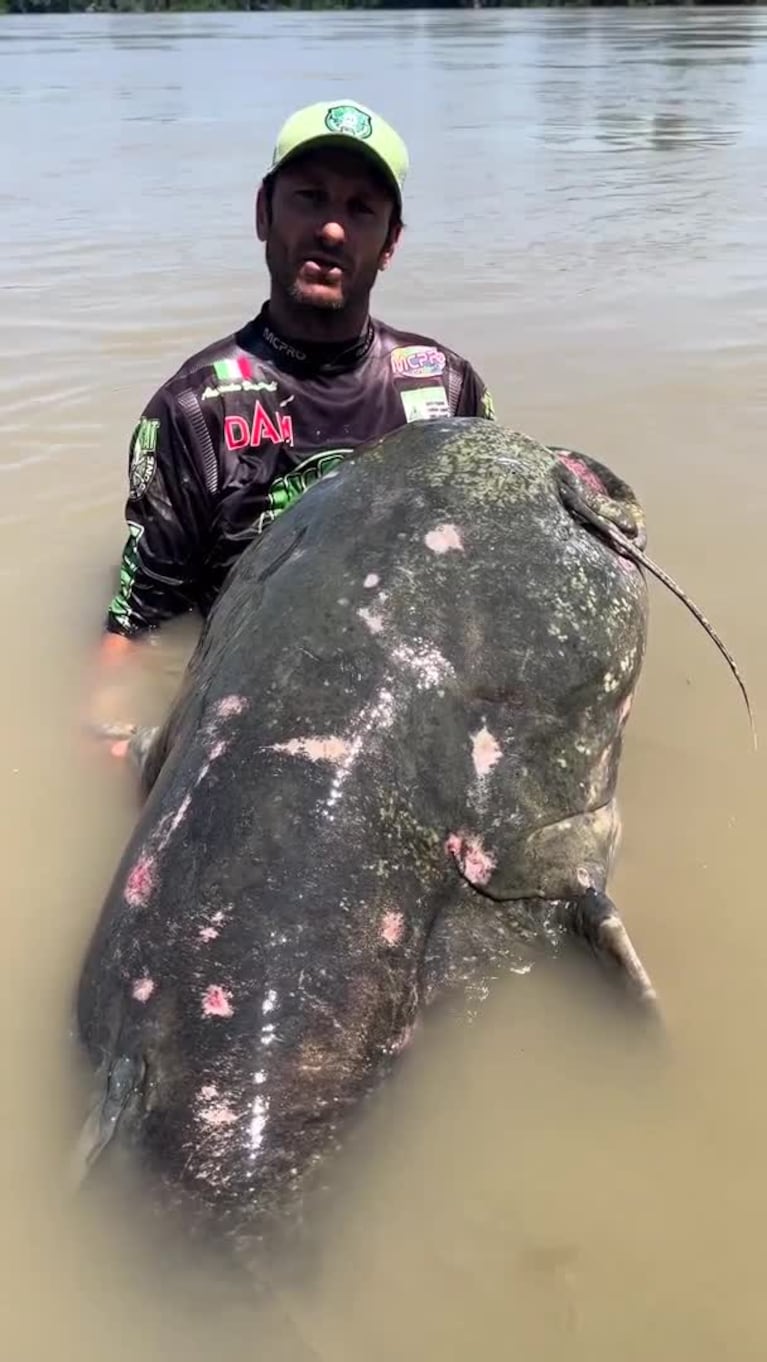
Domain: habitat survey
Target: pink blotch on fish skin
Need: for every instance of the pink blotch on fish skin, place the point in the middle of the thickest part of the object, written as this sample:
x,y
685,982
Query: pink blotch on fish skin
x,y
143,989
374,622
208,933
583,472
230,706
214,1113
334,750
485,751
216,1002
141,882
371,580
470,856
218,1115
443,538
392,928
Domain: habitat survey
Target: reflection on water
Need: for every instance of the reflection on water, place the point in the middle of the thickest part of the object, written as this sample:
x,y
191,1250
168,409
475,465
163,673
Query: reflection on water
x,y
586,219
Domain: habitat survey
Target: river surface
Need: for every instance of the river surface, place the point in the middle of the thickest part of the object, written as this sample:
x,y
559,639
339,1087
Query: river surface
x,y
586,219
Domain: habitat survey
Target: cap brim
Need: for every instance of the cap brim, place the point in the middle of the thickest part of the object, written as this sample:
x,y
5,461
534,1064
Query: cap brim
x,y
332,139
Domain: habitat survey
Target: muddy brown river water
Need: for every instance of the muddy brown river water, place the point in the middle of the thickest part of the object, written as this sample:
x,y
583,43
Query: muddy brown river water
x,y
586,219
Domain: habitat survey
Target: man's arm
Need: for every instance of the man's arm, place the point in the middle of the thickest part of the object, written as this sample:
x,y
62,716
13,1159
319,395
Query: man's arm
x,y
475,398
168,512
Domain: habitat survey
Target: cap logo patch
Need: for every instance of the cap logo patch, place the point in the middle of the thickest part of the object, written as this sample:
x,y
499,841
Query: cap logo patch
x,y
348,119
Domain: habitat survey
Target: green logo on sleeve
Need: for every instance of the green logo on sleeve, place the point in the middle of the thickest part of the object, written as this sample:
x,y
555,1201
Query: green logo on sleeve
x,y
120,606
143,457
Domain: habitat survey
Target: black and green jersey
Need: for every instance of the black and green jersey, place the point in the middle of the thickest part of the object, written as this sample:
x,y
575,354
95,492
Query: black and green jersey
x,y
242,429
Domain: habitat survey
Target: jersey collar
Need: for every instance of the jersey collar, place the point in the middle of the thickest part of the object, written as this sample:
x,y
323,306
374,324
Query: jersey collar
x,y
301,357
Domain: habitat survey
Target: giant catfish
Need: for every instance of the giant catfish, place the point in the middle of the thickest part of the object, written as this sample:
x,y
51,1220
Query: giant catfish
x,y
403,718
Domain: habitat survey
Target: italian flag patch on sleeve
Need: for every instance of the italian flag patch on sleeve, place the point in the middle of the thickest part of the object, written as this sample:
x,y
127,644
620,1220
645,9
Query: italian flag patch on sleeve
x,y
227,370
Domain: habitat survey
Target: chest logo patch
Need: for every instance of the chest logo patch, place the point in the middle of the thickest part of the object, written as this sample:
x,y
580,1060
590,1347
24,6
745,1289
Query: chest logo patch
x,y
241,433
417,361
288,488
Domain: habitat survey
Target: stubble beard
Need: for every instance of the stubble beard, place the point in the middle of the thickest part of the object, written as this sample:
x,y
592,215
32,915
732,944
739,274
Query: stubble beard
x,y
295,291
297,295
302,297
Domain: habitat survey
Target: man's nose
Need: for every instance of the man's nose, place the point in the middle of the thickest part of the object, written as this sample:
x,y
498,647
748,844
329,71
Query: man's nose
x,y
332,233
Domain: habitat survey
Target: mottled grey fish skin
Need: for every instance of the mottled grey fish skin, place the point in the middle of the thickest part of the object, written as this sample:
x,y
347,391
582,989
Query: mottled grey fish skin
x,y
416,683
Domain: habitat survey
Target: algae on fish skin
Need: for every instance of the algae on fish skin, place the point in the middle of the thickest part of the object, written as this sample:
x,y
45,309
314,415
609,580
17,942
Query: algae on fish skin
x,y
406,836
500,468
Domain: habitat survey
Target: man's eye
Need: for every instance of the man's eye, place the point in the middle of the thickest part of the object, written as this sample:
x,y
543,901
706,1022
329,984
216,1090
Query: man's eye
x,y
310,195
361,207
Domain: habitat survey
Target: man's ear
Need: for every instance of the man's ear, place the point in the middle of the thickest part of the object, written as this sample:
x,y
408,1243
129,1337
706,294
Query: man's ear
x,y
392,241
263,213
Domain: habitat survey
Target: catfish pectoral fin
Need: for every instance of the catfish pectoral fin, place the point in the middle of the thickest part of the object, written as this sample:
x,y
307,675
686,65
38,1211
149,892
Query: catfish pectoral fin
x,y
594,918
120,1084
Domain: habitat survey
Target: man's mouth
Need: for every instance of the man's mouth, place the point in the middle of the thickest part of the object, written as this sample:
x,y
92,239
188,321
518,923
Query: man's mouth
x,y
322,268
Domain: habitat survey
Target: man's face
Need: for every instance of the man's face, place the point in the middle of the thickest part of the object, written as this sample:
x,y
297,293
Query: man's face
x,y
328,231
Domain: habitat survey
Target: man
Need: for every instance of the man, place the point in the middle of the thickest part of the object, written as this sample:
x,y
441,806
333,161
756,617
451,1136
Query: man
x,y
248,423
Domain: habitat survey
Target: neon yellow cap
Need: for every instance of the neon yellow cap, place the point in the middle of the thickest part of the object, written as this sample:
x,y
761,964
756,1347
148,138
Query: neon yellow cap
x,y
336,123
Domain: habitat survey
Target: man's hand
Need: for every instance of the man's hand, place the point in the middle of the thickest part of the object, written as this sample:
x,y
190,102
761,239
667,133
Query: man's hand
x,y
109,699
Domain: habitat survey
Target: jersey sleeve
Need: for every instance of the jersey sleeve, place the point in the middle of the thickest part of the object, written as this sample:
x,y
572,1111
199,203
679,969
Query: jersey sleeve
x,y
475,398
168,512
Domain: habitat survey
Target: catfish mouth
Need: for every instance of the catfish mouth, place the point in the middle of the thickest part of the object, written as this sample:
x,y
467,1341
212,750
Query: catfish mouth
x,y
607,495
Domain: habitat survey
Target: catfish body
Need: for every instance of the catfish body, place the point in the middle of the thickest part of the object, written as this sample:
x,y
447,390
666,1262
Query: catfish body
x,y
392,764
